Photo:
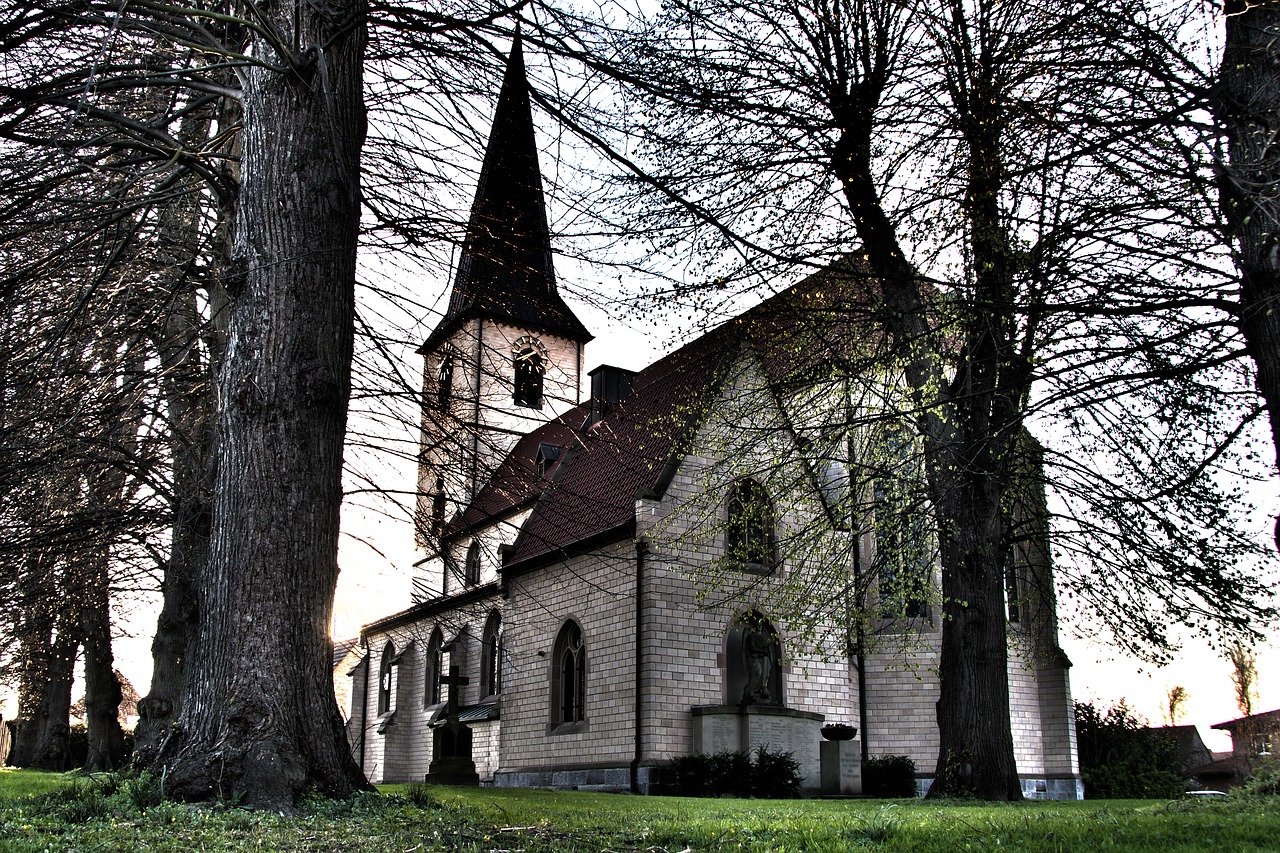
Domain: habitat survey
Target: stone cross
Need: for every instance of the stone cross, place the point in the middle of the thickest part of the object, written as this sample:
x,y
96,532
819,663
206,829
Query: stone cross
x,y
455,682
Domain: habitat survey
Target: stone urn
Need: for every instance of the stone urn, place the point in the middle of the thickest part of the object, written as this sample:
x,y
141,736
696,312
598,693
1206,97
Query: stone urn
x,y
839,731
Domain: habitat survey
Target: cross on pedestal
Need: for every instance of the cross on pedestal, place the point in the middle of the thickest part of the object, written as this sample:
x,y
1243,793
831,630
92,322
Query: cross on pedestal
x,y
454,680
451,762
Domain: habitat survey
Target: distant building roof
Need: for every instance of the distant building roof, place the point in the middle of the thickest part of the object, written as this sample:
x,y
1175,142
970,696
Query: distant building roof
x,y
342,648
1260,720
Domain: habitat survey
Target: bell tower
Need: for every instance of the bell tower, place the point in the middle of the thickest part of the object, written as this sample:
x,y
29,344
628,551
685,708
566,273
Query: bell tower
x,y
508,354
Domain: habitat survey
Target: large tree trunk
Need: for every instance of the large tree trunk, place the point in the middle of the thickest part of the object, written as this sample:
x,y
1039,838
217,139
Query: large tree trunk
x,y
188,392
259,719
45,733
1247,106
102,688
960,424
35,645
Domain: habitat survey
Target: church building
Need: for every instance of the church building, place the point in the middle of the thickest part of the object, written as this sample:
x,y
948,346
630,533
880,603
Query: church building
x,y
723,550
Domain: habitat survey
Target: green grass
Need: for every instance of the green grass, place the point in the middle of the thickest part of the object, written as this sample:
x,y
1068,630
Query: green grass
x,y
40,811
29,783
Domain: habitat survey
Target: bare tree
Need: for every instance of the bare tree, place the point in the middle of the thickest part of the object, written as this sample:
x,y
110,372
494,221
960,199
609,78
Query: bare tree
x,y
1244,675
1247,105
1175,699
1007,209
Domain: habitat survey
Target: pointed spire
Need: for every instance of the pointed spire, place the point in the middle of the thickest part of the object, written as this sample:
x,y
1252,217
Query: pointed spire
x,y
505,271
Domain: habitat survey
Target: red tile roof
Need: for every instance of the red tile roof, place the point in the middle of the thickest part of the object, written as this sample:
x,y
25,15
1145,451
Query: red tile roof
x,y
592,489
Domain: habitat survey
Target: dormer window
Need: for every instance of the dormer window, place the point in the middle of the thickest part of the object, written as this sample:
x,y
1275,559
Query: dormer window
x,y
548,455
529,363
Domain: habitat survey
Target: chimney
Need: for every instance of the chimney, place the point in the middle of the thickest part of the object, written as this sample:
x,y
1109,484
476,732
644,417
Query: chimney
x,y
609,386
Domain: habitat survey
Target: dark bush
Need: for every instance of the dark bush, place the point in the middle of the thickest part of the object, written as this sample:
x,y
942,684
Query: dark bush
x,y
773,774
889,776
1263,781
776,775
1120,758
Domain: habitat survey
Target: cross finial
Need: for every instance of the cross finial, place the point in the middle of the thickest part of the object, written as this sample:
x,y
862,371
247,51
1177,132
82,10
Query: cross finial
x,y
455,680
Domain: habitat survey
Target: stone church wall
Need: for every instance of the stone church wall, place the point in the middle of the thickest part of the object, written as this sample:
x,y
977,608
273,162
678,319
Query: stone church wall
x,y
401,751
597,591
685,633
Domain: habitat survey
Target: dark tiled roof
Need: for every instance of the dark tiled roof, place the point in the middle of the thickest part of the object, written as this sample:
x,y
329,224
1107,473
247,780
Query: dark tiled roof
x,y
505,270
592,489
1265,719
341,648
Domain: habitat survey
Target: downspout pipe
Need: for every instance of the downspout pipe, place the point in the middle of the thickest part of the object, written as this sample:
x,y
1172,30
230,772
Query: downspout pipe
x,y
642,549
364,703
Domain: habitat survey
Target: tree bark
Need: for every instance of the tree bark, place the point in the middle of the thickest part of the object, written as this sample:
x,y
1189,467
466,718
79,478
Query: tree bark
x,y
1247,106
45,732
102,688
187,382
259,720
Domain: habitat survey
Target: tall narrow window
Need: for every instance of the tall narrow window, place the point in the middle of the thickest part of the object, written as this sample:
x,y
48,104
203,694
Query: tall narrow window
x,y
903,555
434,665
1012,590
529,368
386,679
491,656
472,576
749,535
444,383
437,508
569,681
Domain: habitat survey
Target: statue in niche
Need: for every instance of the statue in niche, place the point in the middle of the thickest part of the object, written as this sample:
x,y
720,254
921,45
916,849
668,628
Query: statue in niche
x,y
757,647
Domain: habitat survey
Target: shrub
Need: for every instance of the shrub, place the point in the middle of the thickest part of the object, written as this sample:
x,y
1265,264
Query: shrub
x,y
1264,781
889,776
776,775
1122,759
773,774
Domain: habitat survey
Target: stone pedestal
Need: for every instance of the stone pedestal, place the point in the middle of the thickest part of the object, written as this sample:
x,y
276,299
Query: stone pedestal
x,y
451,762
841,762
746,728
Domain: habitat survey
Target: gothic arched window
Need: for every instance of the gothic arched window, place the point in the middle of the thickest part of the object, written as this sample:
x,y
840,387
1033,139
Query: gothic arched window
x,y
386,699
434,665
472,576
529,367
569,676
491,656
749,533
444,383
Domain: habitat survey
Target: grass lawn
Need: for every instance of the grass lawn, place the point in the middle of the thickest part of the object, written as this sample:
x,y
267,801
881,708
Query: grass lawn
x,y
43,811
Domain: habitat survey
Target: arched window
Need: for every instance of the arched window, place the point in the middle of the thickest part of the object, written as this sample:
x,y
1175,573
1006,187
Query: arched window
x,y
491,656
569,676
433,668
529,367
749,533
444,383
472,576
753,662
386,679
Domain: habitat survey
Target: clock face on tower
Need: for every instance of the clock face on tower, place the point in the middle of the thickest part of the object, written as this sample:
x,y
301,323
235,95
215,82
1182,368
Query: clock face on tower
x,y
529,362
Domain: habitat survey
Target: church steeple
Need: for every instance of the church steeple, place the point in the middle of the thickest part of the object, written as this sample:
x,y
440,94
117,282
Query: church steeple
x,y
505,272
